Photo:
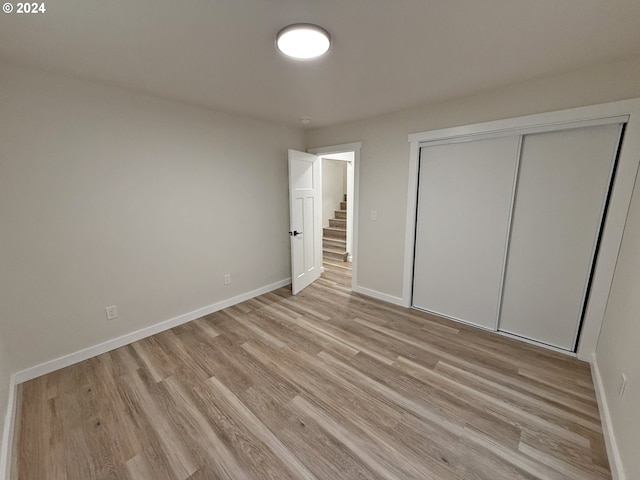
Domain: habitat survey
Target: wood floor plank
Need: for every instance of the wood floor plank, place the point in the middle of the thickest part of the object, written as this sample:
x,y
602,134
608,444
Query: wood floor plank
x,y
377,458
311,377
533,405
179,459
494,404
210,448
253,423
325,457
323,385
245,444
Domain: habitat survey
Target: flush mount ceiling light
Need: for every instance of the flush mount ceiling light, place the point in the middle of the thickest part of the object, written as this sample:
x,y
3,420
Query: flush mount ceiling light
x,y
303,41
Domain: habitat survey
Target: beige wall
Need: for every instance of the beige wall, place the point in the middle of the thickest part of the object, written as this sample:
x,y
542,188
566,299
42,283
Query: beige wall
x,y
334,182
110,197
618,347
384,157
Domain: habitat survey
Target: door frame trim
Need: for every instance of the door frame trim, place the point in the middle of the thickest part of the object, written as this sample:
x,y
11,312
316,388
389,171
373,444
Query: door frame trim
x,y
629,160
342,148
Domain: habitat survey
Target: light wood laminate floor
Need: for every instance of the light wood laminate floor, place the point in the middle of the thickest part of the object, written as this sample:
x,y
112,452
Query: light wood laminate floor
x,y
325,385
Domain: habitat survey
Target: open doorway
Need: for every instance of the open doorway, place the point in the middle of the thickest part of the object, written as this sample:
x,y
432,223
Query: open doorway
x,y
337,217
339,211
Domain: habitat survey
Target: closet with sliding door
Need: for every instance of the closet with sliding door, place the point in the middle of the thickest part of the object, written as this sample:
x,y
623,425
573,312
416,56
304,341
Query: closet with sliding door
x,y
508,227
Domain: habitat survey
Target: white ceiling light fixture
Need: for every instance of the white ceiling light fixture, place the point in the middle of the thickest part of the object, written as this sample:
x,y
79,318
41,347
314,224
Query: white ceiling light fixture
x,y
303,41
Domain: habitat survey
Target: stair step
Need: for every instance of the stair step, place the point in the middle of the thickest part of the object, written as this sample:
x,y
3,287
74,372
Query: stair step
x,y
340,214
334,254
338,222
336,250
343,205
333,232
334,243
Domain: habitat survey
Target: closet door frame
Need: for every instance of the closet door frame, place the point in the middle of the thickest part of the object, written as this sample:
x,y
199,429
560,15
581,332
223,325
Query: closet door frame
x,y
626,111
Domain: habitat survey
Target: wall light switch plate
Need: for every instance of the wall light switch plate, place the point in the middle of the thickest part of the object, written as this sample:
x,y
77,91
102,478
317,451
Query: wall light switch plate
x,y
374,215
112,312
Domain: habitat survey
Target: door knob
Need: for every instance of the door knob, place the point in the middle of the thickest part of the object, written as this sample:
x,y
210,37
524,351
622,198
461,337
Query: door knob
x,y
295,233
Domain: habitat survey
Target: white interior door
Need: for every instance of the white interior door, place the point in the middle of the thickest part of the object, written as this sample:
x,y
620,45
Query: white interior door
x,y
305,218
464,201
563,180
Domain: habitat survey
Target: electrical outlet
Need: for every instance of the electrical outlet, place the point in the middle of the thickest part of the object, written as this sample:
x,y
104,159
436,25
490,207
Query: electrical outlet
x,y
623,384
374,215
112,312
227,279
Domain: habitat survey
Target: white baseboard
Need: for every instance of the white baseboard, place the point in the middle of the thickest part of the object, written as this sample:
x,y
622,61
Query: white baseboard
x,y
615,462
7,434
379,295
90,352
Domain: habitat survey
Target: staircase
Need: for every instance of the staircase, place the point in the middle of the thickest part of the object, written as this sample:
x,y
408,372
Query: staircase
x,y
334,237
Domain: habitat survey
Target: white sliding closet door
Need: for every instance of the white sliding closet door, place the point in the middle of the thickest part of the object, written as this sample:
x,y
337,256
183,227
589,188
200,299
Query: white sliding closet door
x,y
563,181
464,201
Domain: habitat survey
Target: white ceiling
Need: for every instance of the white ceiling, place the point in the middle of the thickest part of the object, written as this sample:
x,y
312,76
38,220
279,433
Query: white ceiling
x,y
386,54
